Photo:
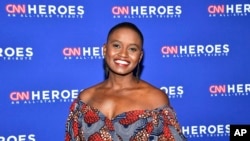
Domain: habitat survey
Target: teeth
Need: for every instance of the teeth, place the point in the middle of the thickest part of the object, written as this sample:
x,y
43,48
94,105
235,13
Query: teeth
x,y
121,62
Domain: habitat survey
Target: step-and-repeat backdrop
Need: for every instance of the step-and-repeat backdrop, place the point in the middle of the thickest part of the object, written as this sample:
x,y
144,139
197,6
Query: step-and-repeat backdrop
x,y
195,51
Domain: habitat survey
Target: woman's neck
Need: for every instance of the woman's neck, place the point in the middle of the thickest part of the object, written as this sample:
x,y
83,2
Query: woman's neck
x,y
121,82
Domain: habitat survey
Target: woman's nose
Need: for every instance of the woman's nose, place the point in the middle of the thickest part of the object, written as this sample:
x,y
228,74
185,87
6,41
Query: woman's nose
x,y
123,52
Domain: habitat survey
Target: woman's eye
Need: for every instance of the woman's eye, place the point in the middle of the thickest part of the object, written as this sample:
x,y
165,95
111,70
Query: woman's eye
x,y
133,49
116,45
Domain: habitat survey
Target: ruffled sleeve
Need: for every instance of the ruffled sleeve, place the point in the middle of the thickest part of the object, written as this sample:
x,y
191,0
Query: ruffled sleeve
x,y
171,128
73,132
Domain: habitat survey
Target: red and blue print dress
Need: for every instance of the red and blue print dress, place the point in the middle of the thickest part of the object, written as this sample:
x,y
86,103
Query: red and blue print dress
x,y
86,123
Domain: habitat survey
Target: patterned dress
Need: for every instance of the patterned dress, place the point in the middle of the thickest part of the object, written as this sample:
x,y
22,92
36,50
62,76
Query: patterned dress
x,y
86,123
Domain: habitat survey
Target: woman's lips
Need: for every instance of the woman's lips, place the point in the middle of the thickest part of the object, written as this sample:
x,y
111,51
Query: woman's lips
x,y
122,62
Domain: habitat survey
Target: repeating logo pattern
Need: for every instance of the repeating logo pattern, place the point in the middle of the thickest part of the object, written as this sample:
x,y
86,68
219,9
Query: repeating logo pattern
x,y
230,48
173,91
228,10
229,90
43,96
44,11
149,11
208,131
82,53
16,53
190,51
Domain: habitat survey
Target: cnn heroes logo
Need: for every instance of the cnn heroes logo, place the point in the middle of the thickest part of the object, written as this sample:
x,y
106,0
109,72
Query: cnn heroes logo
x,y
229,90
173,91
82,53
16,53
44,11
23,137
209,50
149,11
228,10
43,96
213,130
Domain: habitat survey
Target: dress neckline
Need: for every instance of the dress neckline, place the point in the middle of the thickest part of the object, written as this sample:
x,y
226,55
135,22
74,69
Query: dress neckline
x,y
157,109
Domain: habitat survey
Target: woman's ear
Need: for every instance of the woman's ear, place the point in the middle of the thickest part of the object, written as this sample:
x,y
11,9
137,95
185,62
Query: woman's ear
x,y
104,49
141,55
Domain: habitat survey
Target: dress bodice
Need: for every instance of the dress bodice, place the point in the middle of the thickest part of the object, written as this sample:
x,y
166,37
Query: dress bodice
x,y
88,123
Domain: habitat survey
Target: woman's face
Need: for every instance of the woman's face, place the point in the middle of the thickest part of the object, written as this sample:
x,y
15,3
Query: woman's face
x,y
123,51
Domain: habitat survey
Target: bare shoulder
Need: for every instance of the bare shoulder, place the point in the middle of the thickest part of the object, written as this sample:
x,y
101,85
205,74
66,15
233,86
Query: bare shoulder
x,y
155,96
86,94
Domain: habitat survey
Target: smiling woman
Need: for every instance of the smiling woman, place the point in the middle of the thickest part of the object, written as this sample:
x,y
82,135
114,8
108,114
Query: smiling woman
x,y
123,51
123,107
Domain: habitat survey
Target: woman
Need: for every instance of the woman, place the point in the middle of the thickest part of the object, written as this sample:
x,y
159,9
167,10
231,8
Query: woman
x,y
122,107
